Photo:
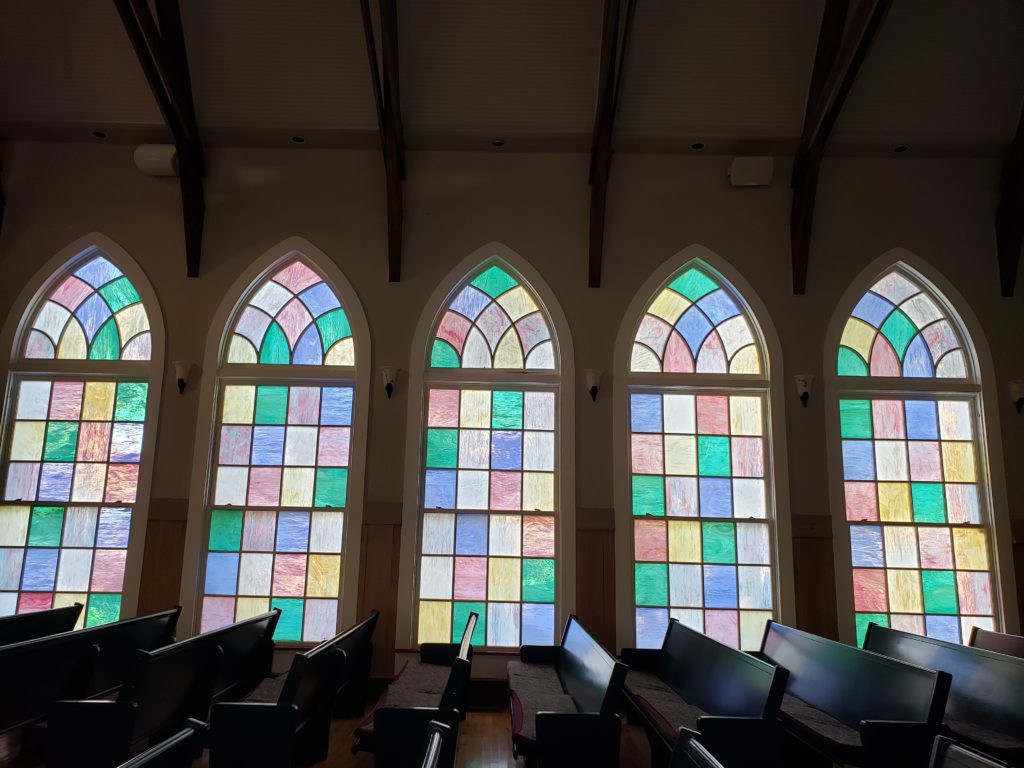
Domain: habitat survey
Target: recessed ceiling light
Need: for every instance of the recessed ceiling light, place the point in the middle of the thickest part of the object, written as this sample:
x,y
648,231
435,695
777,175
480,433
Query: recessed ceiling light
x,y
298,140
497,143
900,148
697,145
99,135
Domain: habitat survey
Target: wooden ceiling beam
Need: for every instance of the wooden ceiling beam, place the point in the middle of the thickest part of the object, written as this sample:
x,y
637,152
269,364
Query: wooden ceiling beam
x,y
387,98
1010,214
842,48
613,55
159,45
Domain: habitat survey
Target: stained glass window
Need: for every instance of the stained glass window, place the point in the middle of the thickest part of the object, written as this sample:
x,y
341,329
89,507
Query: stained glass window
x,y
913,488
702,528
74,446
279,488
487,540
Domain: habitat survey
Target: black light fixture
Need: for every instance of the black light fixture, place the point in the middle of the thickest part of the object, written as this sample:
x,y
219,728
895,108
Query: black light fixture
x,y
389,376
298,140
99,135
697,146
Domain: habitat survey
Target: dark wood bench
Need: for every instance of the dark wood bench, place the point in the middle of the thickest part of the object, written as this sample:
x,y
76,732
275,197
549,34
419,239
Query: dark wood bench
x,y
166,687
20,627
949,754
177,751
853,706
357,644
439,738
434,687
75,664
986,639
725,698
563,701
688,753
287,718
985,708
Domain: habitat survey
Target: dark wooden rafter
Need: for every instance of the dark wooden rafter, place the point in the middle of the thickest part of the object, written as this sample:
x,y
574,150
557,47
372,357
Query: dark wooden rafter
x,y
389,120
3,199
614,46
1010,215
159,45
842,47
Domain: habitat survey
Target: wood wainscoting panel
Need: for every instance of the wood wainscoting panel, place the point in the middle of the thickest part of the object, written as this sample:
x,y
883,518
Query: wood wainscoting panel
x,y
378,588
814,575
160,585
595,584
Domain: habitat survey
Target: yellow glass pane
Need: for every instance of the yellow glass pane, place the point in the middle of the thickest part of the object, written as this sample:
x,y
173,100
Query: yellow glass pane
x,y
747,360
668,306
900,546
684,541
64,599
238,404
644,360
131,321
969,549
958,463
98,403
509,353
27,440
73,345
745,415
475,409
904,591
247,607
503,578
517,303
435,622
680,455
752,629
241,351
894,502
342,353
538,491
858,336
13,526
297,487
323,576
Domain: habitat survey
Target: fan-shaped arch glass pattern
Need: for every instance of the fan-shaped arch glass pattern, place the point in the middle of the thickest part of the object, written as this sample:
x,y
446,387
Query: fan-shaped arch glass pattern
x,y
898,329
94,313
694,325
493,322
294,318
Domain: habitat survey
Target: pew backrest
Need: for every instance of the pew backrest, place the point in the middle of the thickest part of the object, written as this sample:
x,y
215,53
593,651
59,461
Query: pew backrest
x,y
456,687
176,751
986,639
987,687
949,754
718,679
119,641
357,643
19,627
589,674
313,679
851,684
248,653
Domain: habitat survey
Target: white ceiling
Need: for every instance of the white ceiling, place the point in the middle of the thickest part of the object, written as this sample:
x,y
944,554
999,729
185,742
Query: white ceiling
x,y
944,76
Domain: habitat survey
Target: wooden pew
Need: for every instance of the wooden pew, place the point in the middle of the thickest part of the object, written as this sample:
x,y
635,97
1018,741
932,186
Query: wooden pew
x,y
721,696
853,706
436,687
287,718
75,664
1011,645
438,737
357,644
177,751
985,708
20,627
688,753
949,754
563,701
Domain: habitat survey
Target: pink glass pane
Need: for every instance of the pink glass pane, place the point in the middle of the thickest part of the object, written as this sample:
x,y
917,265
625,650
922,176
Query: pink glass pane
x,y
294,319
506,490
304,405
747,457
454,328
332,450
34,601
71,293
677,355
650,540
258,532
681,496
264,486
713,415
861,501
888,419
869,591
925,460
883,359
122,482
66,402
533,329
538,536
470,578
296,277
653,332
93,441
723,626
108,570
289,575
935,546
235,442
217,612
975,590
444,408
493,322
647,454
711,358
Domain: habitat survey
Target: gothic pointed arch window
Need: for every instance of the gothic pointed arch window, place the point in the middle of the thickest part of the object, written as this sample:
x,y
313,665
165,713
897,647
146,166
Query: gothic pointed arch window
x,y
78,443
700,464
915,497
489,509
279,485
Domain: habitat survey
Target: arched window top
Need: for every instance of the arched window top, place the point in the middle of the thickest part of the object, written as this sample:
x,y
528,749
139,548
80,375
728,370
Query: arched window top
x,y
494,321
696,324
93,313
292,318
900,328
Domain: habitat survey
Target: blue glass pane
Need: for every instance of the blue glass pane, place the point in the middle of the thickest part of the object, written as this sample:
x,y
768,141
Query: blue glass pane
x,y
336,407
922,420
943,628
718,306
645,413
268,446
858,460
651,624
471,535
309,349
538,624
715,497
866,546
439,489
221,573
319,299
918,360
40,570
873,309
98,272
92,313
292,531
694,327
506,450
470,302
55,482
720,586
115,525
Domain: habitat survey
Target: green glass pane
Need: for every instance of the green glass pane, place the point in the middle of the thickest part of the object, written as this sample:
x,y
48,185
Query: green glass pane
x,y
863,619
494,281
226,530
334,327
693,284
850,363
331,487
102,609
855,419
289,626
443,355
271,405
713,456
131,402
275,349
929,502
106,344
538,581
939,589
442,448
651,582
46,526
900,331
648,495
61,441
719,542
119,294
460,615
506,410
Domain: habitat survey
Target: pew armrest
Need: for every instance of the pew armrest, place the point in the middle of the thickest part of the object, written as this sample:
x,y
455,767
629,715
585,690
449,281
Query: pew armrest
x,y
539,654
250,733
897,742
102,730
741,740
642,659
439,653
578,738
398,734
